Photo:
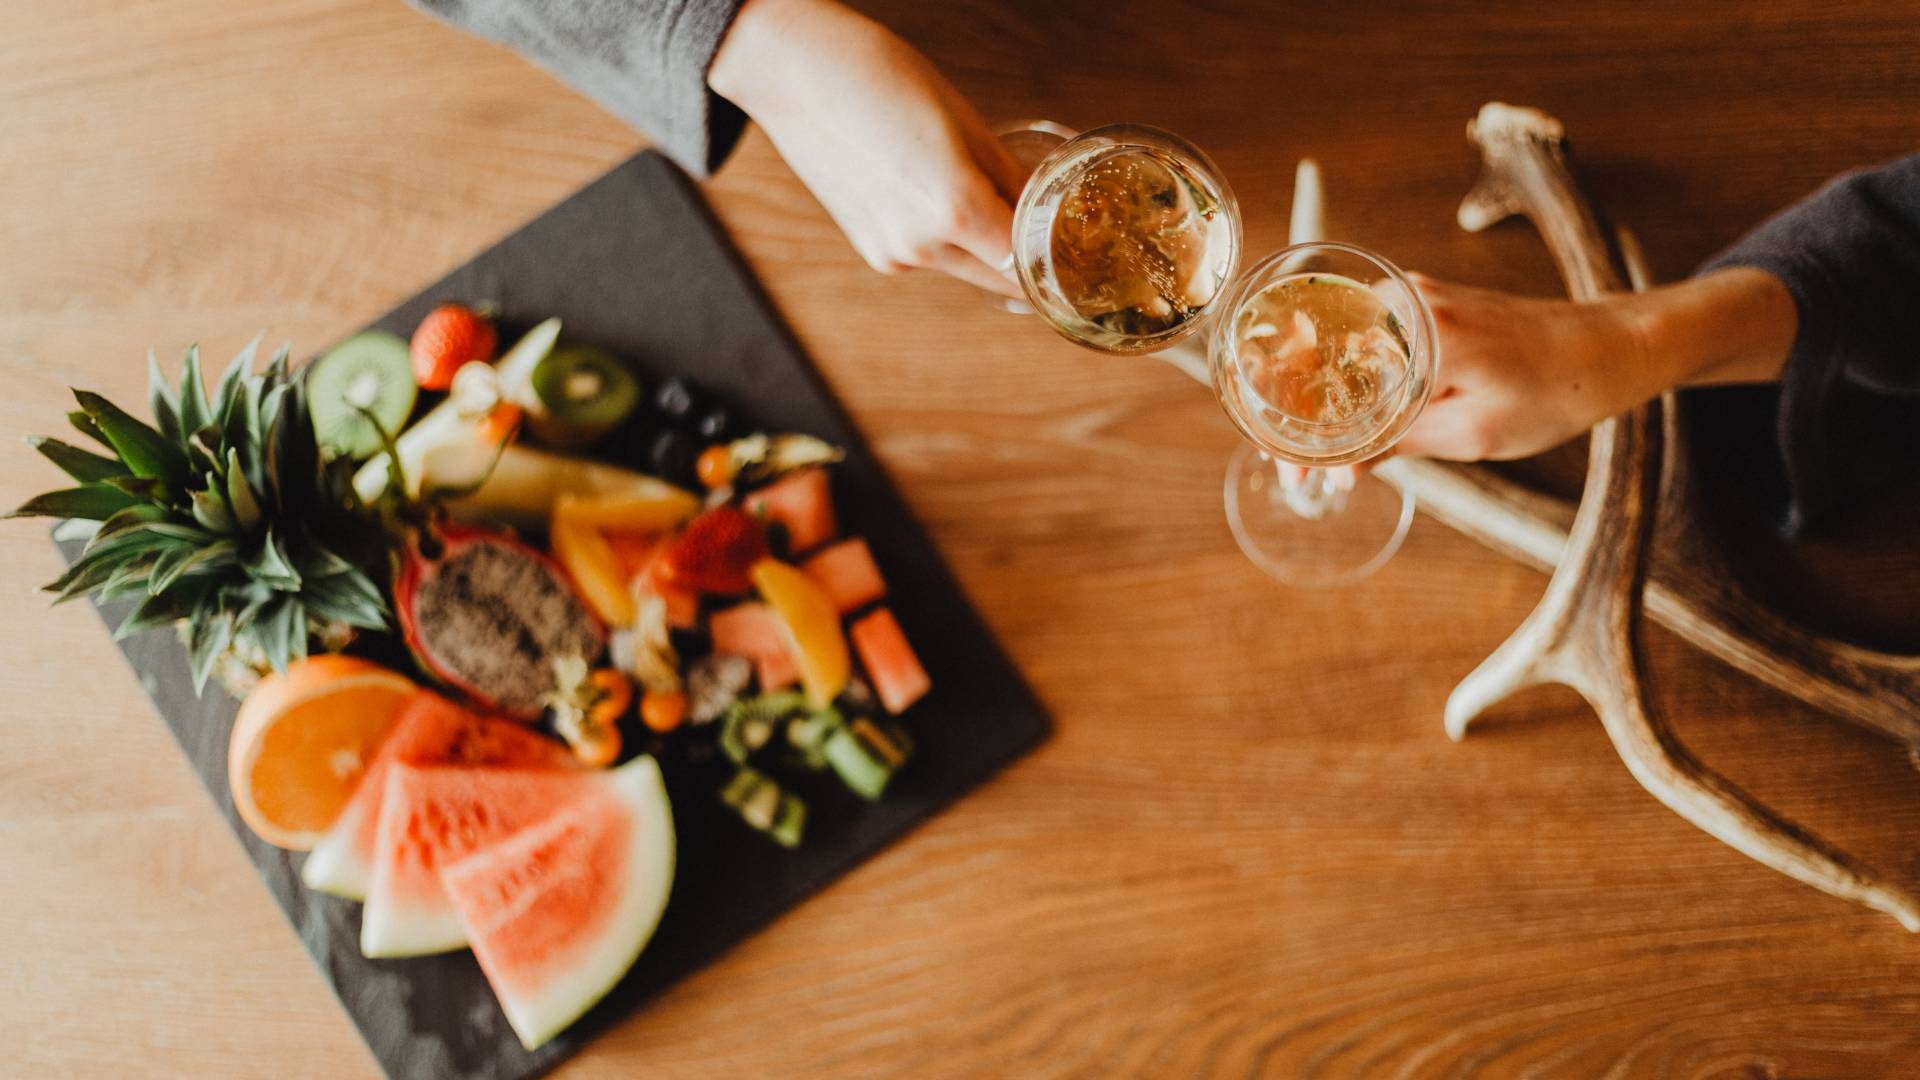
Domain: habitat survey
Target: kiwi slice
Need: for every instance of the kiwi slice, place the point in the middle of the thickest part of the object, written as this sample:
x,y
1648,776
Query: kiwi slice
x,y
370,371
586,392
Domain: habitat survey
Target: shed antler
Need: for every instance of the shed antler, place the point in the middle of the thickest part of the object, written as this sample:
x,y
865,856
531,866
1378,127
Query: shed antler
x,y
1584,633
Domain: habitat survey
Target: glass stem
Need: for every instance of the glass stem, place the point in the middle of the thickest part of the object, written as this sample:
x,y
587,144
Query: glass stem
x,y
1311,493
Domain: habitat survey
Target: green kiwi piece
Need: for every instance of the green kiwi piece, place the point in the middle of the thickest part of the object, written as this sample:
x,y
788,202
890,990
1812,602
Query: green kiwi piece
x,y
587,392
370,371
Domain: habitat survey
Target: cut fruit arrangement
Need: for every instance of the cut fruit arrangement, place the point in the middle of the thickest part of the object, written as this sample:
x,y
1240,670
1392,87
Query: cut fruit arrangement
x,y
468,639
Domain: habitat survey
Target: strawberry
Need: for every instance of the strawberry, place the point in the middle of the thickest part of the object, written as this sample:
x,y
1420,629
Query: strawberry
x,y
449,338
715,552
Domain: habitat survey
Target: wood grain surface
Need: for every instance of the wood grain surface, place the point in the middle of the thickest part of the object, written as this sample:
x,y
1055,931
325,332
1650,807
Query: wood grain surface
x,y
1249,850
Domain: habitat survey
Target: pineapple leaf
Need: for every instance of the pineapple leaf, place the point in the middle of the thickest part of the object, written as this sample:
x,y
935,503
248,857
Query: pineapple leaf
x,y
83,465
208,638
295,458
128,581
210,509
146,451
160,609
194,413
232,382
277,367
168,569
131,517
277,628
84,425
203,450
85,574
181,531
93,502
315,561
162,400
246,508
147,489
268,565
346,598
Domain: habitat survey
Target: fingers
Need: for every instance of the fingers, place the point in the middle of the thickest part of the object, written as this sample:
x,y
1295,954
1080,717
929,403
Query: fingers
x,y
983,227
1450,430
968,268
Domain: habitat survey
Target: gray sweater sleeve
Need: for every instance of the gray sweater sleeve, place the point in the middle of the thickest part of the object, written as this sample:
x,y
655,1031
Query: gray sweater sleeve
x,y
645,61
1848,423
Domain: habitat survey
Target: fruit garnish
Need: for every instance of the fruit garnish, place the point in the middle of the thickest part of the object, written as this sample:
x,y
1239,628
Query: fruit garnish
x,y
587,707
430,731
558,912
847,572
766,457
766,807
584,393
813,626
714,682
654,510
898,678
645,649
221,516
663,712
487,615
715,552
595,570
302,741
449,338
454,448
801,503
866,753
714,467
358,389
524,484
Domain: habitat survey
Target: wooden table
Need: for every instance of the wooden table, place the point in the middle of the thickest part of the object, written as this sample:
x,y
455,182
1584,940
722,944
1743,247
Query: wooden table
x,y
1249,850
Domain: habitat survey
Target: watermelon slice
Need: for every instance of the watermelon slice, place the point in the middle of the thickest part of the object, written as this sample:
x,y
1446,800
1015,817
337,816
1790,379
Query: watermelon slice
x,y
558,912
752,630
801,501
432,817
430,731
848,574
897,676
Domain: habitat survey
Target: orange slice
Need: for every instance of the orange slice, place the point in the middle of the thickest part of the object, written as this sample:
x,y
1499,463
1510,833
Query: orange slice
x,y
814,624
594,566
302,741
658,508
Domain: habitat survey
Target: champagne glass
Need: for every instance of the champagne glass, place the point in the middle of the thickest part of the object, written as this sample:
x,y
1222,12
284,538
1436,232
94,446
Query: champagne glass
x,y
1323,357
1124,236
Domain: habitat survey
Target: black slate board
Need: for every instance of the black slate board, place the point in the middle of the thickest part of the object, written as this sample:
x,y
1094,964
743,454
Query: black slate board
x,y
635,263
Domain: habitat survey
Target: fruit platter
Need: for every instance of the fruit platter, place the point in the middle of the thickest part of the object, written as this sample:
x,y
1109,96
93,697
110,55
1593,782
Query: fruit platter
x,y
540,657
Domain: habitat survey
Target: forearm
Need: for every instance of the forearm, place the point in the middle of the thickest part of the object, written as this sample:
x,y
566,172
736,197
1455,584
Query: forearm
x,y
755,65
1729,326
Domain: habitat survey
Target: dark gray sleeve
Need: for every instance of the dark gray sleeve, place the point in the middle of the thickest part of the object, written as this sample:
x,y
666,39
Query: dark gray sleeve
x,y
645,61
1849,417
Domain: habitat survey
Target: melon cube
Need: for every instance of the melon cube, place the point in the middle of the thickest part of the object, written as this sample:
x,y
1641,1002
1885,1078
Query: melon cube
x,y
753,630
848,574
803,503
891,664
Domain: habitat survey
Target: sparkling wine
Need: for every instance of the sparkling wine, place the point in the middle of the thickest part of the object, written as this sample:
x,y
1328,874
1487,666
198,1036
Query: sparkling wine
x,y
1314,356
1137,242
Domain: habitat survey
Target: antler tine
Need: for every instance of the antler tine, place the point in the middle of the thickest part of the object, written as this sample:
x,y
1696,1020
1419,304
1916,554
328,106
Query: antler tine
x,y
1584,633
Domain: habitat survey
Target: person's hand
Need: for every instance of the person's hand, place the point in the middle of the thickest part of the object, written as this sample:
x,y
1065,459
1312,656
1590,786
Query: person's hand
x,y
1518,375
907,168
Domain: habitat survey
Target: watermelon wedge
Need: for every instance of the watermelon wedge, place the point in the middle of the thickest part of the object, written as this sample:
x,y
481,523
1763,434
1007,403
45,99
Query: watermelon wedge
x,y
558,912
432,817
430,731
